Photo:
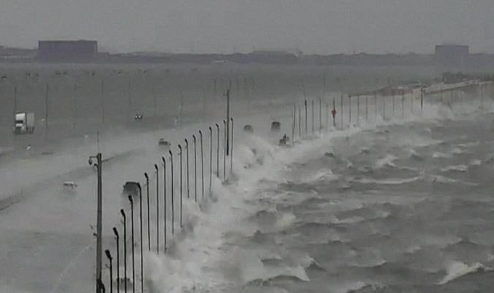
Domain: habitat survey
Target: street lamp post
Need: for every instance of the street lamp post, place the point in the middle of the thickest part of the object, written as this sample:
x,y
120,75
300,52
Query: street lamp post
x,y
108,255
164,203
187,167
117,238
125,248
172,192
210,158
228,120
218,151
195,167
149,218
140,232
202,166
132,237
181,185
157,210
225,128
231,151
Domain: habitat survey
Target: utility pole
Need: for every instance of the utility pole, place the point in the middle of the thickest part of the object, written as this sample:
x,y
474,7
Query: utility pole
x,y
99,223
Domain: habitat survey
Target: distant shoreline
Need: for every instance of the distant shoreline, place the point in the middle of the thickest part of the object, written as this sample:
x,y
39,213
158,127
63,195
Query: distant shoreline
x,y
9,55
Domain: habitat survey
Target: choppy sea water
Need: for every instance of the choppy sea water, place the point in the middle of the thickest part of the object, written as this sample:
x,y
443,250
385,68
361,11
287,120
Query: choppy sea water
x,y
398,208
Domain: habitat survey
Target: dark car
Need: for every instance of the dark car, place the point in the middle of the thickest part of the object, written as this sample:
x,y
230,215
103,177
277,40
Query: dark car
x,y
164,143
248,128
275,126
131,188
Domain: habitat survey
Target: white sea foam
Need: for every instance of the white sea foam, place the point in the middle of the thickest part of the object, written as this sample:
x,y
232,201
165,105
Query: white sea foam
x,y
348,287
195,261
413,248
387,161
204,244
458,269
316,175
252,269
455,168
415,155
285,221
439,155
438,241
457,151
417,141
349,220
447,180
389,181
468,144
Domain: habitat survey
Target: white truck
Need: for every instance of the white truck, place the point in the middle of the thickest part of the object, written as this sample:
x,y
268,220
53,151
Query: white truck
x,y
24,123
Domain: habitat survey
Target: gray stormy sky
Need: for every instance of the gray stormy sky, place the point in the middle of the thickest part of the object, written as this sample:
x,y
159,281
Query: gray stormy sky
x,y
203,26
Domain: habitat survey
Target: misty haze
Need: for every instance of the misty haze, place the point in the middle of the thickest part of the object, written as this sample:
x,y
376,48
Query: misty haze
x,y
246,146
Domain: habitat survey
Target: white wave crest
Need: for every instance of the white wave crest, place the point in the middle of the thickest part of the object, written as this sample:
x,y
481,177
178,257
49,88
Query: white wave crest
x,y
415,155
455,168
322,174
447,180
285,221
350,287
468,144
438,155
387,161
439,241
457,151
458,269
252,269
390,181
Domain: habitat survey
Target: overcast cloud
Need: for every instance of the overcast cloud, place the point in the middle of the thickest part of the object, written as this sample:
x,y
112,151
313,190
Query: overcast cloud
x,y
203,26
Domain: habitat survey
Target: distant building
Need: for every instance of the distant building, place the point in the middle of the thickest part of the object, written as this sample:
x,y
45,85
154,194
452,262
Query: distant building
x,y
77,50
16,53
451,55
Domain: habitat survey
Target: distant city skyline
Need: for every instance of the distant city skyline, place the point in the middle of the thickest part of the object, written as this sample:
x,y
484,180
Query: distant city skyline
x,y
226,26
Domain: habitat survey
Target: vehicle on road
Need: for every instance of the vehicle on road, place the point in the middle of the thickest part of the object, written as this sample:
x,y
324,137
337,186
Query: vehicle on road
x,y
24,123
131,188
